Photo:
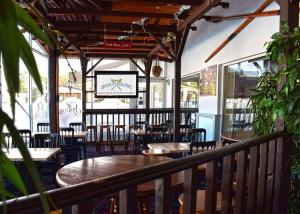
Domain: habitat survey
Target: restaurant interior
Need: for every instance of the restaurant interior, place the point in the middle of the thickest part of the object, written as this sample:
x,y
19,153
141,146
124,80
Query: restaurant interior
x,y
145,109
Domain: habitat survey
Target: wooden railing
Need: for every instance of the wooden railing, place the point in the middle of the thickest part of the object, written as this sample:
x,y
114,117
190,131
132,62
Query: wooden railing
x,y
261,166
94,117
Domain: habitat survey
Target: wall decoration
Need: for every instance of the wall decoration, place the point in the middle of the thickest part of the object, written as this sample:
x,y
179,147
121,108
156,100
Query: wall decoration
x,y
208,77
116,84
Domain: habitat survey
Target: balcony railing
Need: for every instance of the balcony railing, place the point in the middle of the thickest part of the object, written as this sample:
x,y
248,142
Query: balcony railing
x,y
259,166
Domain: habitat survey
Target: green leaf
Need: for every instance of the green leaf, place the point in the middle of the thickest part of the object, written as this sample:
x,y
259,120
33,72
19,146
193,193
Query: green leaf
x,y
30,25
30,166
9,47
10,171
28,59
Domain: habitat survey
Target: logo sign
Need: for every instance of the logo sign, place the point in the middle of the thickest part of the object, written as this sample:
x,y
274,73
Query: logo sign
x,y
114,84
118,44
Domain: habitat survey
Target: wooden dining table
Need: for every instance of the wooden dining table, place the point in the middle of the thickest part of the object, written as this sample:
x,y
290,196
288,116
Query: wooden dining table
x,y
37,154
104,167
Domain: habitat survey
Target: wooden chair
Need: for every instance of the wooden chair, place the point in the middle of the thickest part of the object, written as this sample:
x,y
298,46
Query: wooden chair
x,y
42,140
78,127
119,137
198,135
43,127
105,141
26,136
206,145
92,137
8,140
158,134
185,133
66,143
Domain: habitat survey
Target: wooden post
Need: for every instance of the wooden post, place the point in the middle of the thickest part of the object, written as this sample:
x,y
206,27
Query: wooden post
x,y
84,62
289,13
148,74
53,75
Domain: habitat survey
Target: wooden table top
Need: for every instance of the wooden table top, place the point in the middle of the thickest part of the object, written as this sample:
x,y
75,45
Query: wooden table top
x,y
236,136
79,134
103,167
37,154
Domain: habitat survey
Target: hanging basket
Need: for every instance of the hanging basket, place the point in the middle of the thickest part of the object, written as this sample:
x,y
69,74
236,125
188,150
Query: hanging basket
x,y
156,69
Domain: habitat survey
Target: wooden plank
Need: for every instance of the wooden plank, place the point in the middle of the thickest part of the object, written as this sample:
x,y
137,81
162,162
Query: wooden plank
x,y
182,42
253,173
189,191
83,207
211,187
163,195
241,182
238,30
227,184
270,177
282,175
176,104
262,177
289,13
128,200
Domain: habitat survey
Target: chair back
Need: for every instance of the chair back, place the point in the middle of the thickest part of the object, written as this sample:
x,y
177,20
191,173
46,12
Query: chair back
x,y
66,136
78,127
92,134
42,140
54,140
43,127
198,135
207,145
185,133
158,134
8,140
26,136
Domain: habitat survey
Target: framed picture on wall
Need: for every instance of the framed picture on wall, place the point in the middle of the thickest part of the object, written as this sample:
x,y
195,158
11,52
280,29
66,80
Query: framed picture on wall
x,y
208,77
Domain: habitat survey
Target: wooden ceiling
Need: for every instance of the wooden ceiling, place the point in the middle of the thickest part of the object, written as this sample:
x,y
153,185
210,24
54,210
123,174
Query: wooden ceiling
x,y
150,25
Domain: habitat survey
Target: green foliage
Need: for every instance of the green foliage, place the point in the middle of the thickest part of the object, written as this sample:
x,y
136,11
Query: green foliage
x,y
14,47
277,98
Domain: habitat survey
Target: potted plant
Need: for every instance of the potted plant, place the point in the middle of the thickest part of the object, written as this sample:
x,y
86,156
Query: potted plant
x,y
276,102
13,48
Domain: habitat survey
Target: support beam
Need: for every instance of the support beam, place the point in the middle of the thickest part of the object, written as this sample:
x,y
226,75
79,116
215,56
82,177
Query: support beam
x,y
176,90
137,65
182,42
53,75
159,2
162,45
148,65
84,64
289,12
94,66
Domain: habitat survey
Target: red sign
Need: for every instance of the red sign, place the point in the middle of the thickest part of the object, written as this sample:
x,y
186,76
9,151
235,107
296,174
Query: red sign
x,y
118,44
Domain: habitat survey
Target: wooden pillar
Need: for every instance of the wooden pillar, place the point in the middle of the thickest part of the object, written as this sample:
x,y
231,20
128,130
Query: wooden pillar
x,y
148,74
289,12
53,75
84,63
177,91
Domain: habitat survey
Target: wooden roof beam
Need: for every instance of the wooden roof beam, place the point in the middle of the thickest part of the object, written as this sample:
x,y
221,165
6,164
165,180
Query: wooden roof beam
x,y
159,2
198,12
112,26
68,11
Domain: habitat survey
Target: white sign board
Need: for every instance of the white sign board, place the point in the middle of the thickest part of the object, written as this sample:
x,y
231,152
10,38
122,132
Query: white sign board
x,y
114,84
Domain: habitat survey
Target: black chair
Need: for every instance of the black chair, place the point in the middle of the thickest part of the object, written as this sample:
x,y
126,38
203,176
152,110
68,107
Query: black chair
x,y
43,127
78,127
92,137
198,135
206,145
26,136
185,133
158,134
68,148
44,140
8,140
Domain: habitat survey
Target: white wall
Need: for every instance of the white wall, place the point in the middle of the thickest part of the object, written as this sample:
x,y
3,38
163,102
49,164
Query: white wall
x,y
201,43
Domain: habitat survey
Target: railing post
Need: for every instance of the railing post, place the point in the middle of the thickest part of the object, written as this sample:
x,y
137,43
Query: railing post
x,y
211,187
227,184
282,175
253,172
83,207
189,191
163,195
128,201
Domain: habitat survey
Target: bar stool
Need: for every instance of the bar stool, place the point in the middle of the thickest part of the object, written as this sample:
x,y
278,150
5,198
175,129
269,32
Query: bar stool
x,y
92,137
119,136
107,141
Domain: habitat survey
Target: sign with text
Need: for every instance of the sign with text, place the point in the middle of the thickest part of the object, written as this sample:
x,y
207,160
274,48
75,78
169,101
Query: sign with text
x,y
116,84
118,44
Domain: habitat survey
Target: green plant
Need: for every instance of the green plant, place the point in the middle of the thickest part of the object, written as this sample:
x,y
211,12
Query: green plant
x,y
13,47
277,99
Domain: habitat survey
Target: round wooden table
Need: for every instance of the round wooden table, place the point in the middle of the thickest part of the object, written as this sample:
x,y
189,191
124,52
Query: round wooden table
x,y
97,168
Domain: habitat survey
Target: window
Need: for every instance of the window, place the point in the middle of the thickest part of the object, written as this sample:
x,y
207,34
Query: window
x,y
190,92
